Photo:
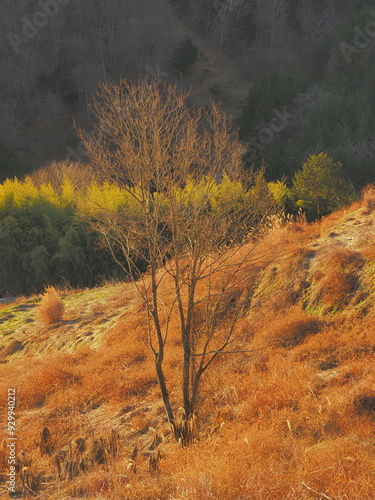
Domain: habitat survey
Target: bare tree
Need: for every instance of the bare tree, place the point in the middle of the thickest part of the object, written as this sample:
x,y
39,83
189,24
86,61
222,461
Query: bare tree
x,y
188,218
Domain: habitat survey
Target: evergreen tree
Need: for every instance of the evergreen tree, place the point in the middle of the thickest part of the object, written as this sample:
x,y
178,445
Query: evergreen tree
x,y
320,187
184,57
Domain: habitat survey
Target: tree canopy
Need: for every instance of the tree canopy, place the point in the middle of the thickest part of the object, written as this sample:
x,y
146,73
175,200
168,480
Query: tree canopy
x,y
320,187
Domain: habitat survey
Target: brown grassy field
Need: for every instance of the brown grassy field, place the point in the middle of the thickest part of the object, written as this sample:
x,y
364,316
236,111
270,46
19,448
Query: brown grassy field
x,y
292,420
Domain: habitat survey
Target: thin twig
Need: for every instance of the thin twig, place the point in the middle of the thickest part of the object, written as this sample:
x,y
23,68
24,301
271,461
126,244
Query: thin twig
x,y
318,492
28,487
233,352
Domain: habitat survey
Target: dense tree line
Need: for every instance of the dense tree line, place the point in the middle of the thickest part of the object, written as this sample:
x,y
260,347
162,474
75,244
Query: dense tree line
x,y
48,235
44,240
49,75
329,105
50,223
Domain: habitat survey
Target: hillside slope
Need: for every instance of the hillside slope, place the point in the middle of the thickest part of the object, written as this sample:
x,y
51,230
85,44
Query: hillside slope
x,y
290,418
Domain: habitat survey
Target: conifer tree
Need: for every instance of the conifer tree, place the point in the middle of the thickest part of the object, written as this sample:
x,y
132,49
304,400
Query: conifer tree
x,y
319,187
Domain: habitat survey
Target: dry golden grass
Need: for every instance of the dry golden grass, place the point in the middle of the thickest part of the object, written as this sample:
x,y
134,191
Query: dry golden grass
x,y
291,421
338,276
51,307
368,198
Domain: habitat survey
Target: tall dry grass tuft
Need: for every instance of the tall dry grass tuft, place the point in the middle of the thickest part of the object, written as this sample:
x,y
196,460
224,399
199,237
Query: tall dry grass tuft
x,y
336,280
368,198
51,308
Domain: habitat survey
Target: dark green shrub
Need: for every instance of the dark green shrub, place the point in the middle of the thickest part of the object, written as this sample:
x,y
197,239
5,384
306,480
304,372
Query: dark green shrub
x,y
45,245
184,57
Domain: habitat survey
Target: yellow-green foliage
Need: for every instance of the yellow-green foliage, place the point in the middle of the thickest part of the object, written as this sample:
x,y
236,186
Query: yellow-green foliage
x,y
106,196
210,192
69,193
47,226
228,191
279,191
48,238
16,193
111,197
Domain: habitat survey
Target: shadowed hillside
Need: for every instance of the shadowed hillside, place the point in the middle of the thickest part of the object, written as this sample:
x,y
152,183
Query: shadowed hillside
x,y
297,75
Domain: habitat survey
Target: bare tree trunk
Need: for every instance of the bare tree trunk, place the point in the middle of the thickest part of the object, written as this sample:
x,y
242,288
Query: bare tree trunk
x,y
173,162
